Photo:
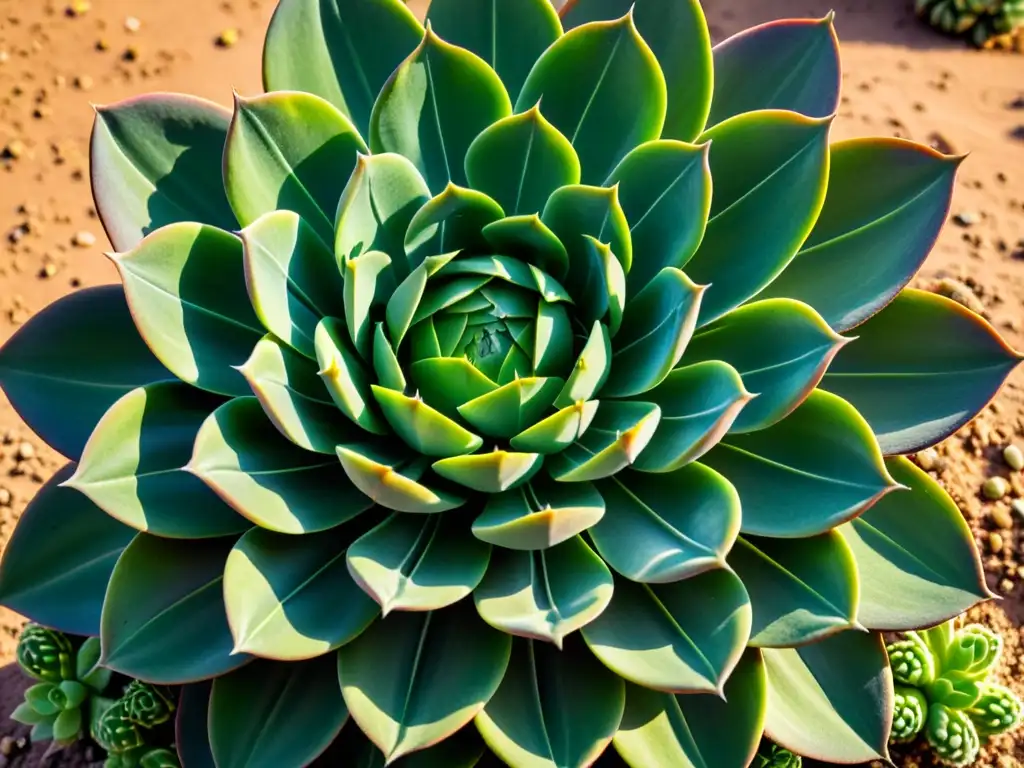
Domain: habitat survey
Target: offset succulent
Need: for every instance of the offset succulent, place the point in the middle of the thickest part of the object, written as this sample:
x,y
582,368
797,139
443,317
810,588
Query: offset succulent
x,y
771,755
986,23
124,728
942,688
496,394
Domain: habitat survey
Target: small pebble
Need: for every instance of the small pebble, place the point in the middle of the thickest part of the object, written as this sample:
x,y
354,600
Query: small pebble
x,y
132,24
83,239
1006,586
14,149
928,459
228,38
995,488
1014,457
1017,505
25,452
6,497
960,293
966,218
131,53
78,7
995,542
82,82
1002,518
49,270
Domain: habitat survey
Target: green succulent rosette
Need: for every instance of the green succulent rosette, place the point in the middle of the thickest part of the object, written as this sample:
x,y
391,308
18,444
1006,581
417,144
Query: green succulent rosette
x,y
45,654
980,21
910,711
483,384
998,710
951,733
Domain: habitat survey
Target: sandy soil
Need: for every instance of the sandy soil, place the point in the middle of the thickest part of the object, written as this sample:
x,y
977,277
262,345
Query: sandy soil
x,y
900,79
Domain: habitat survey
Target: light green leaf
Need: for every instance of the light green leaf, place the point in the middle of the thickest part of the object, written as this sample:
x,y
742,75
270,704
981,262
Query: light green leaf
x,y
345,376
558,431
394,703
552,341
385,363
591,369
445,383
509,270
508,410
403,303
367,283
492,472
575,211
454,220
67,726
391,482
529,239
619,432
424,429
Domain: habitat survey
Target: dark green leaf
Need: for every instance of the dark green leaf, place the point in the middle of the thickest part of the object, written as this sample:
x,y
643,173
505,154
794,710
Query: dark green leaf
x,y
529,239
445,383
192,738
454,220
390,483
558,431
424,429
508,410
405,300
591,369
619,432
573,213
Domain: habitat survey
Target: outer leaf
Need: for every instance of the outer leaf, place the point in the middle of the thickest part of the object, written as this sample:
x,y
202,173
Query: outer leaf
x,y
761,162
665,191
791,64
418,562
163,616
683,637
58,560
424,429
801,590
619,432
601,86
915,554
191,733
591,369
185,286
388,682
887,199
292,151
781,349
669,527
50,373
141,148
659,730
269,714
345,375
349,49
807,474
845,680
912,393
389,483
433,106
545,594
132,466
554,708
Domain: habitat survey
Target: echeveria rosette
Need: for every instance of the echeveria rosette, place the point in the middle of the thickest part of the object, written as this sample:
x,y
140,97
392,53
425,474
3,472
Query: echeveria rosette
x,y
512,389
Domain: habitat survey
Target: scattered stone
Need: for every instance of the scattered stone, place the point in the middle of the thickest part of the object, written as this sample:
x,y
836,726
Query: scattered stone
x,y
1006,586
1014,457
78,8
82,82
6,499
102,45
995,542
14,149
49,270
960,293
131,53
6,746
83,239
228,38
929,459
1017,505
1017,485
1002,518
24,452
995,488
966,218
941,143
132,24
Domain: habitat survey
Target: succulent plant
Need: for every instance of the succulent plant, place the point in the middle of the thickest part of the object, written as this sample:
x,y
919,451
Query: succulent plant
x,y
771,755
123,729
944,690
986,23
494,394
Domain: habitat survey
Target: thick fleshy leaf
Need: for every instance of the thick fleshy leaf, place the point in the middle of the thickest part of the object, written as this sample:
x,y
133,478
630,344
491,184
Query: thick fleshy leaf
x,y
367,284
801,590
845,681
345,376
454,220
349,49
575,212
294,398
418,562
58,560
292,277
601,87
445,383
492,472
291,151
185,286
508,410
404,301
558,431
683,637
132,466
191,732
509,270
463,749
426,430
390,683
50,373
433,106
163,617
656,327
552,341
545,594
554,708
390,483
276,587
591,369
531,240
667,527
140,151
915,554
781,349
618,433
659,730
665,191
520,160
269,713
699,403
761,162
887,199
791,64
817,468
915,392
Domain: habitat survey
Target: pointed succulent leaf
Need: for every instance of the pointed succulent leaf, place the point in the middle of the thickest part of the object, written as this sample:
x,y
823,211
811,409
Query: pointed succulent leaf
x,y
667,527
601,87
418,562
386,365
463,749
270,713
618,433
660,730
998,711
761,162
26,715
451,221
664,188
781,349
41,698
544,594
402,711
553,708
445,383
345,376
432,107
492,472
192,733
87,666
349,49
531,240
163,616
791,64
67,726
683,637
424,429
975,651
405,300
367,284
290,151
909,713
139,146
912,392
574,212
133,465
801,590
508,410
185,285
951,733
915,554
817,468
274,591
552,340
887,199
509,270
558,431
846,682
388,482
591,369
50,374
292,277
